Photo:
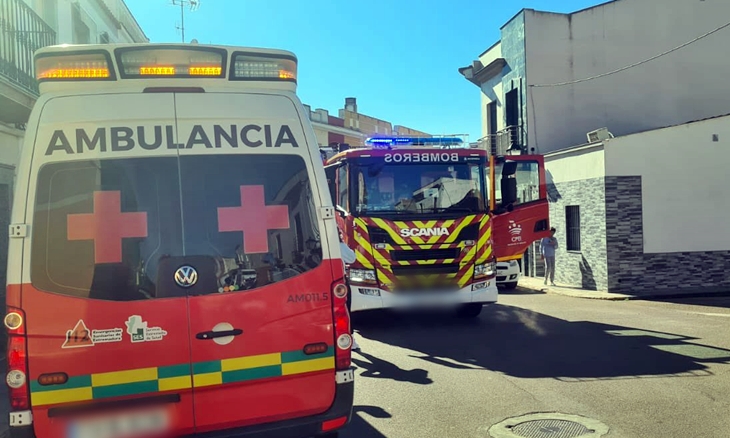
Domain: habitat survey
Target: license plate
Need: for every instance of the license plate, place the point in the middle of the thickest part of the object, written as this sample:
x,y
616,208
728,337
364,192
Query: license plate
x,y
137,424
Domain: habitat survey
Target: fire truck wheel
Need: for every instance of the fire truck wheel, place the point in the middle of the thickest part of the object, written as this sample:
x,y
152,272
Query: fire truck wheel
x,y
471,310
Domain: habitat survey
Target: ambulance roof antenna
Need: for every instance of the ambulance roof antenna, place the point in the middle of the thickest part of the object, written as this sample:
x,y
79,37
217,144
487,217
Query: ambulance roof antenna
x,y
193,4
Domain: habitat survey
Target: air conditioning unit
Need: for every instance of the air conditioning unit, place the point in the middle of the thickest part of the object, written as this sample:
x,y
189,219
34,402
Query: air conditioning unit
x,y
599,135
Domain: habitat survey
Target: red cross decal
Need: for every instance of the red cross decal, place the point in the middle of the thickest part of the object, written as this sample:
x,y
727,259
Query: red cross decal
x,y
254,218
107,226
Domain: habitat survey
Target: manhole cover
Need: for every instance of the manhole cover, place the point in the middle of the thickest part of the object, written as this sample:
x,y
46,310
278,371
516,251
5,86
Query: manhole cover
x,y
550,429
549,425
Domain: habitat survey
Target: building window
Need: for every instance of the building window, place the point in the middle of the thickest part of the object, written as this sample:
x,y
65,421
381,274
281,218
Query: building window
x,y
572,225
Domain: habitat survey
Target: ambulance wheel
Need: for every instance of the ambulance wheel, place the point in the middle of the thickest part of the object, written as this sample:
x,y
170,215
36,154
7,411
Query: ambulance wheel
x,y
471,310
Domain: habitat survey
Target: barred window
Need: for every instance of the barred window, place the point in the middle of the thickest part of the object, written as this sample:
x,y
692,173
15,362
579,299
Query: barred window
x,y
572,225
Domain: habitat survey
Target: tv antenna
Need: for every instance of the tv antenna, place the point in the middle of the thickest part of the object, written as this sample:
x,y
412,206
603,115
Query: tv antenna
x,y
193,5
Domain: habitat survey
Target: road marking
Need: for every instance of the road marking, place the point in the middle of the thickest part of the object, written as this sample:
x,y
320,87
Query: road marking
x,y
724,315
700,352
643,333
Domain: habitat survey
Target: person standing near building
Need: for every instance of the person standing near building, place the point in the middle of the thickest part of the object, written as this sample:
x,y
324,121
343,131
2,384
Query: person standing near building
x,y
548,245
348,258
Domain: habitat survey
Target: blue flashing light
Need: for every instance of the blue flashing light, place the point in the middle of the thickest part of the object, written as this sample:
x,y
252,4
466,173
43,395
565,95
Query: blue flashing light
x,y
388,142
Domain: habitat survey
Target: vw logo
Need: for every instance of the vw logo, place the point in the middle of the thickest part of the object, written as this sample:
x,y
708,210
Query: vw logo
x,y
186,276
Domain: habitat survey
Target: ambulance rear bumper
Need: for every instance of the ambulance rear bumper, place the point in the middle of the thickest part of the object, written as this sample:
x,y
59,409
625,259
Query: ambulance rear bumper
x,y
298,427
372,298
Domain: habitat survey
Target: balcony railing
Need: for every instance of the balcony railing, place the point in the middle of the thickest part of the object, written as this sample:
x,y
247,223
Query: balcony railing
x,y
504,142
22,32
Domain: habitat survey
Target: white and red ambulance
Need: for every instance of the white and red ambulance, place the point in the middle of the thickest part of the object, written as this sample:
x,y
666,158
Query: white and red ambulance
x,y
174,267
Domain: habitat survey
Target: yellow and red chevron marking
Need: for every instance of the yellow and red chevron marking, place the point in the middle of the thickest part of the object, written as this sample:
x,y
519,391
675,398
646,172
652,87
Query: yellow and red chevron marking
x,y
380,259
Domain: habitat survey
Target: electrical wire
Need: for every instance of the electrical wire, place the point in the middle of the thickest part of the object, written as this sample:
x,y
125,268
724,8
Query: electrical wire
x,y
560,84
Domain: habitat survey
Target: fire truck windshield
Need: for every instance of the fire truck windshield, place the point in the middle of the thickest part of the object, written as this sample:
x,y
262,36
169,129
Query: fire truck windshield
x,y
414,189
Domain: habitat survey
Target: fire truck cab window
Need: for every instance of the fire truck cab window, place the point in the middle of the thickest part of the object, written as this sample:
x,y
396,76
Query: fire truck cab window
x,y
528,182
408,188
342,184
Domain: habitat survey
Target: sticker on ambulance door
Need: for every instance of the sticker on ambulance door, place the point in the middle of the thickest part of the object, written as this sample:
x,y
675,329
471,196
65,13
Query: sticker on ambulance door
x,y
140,332
81,336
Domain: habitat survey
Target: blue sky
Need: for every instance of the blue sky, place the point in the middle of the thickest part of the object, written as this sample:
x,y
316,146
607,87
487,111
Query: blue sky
x,y
398,57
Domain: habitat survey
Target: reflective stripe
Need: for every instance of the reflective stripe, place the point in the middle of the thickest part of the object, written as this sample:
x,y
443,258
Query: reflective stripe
x,y
178,377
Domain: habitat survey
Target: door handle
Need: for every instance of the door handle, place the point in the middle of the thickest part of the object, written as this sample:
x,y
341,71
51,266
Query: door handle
x,y
204,336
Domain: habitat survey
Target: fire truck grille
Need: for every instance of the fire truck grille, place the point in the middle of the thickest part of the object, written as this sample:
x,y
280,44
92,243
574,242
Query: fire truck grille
x,y
425,254
425,270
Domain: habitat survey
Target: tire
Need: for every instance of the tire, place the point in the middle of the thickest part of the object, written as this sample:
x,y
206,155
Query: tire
x,y
471,310
510,286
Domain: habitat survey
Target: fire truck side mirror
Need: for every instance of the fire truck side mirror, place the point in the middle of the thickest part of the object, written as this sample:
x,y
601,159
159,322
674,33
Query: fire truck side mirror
x,y
508,183
509,190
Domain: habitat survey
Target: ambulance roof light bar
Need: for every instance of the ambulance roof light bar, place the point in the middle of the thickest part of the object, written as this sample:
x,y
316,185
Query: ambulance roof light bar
x,y
176,62
162,61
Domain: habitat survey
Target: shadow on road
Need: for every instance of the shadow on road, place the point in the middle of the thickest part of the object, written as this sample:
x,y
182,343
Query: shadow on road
x,y
715,300
527,344
520,291
382,369
359,427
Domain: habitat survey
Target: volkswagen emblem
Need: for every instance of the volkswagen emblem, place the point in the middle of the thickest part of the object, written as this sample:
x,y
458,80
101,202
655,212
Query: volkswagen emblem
x,y
186,276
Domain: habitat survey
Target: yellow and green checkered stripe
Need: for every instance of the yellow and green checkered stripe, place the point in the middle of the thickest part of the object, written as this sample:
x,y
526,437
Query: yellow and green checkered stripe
x,y
179,377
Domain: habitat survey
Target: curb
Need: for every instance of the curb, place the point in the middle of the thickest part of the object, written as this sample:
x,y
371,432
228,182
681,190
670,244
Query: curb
x,y
585,295
620,297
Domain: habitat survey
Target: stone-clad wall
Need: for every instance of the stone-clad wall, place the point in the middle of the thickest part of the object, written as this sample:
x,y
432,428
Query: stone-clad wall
x,y
587,268
630,271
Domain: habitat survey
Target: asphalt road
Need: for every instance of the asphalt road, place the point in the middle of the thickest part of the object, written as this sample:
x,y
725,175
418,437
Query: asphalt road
x,y
644,369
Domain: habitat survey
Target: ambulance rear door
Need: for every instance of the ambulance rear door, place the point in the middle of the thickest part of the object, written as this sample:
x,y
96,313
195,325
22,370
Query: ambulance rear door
x,y
103,210
261,320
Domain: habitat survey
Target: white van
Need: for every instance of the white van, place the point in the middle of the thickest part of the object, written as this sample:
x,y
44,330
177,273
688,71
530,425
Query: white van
x,y
174,267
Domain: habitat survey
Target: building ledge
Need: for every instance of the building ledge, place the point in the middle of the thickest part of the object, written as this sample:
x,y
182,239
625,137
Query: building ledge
x,y
484,74
575,149
15,102
338,129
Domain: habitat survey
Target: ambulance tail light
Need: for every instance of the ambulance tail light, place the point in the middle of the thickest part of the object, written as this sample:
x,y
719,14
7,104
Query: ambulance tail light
x,y
17,356
87,66
263,67
171,62
343,338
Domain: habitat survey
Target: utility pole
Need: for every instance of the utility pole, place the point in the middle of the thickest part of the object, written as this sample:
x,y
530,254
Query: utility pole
x,y
193,4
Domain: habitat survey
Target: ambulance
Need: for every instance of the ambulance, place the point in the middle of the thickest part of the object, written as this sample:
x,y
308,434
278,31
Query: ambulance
x,y
174,267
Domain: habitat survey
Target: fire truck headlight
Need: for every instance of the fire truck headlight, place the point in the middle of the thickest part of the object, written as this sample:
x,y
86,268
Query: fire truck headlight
x,y
362,276
488,269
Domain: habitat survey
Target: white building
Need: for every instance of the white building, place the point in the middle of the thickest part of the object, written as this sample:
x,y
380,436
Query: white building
x,y
519,76
644,213
642,207
26,26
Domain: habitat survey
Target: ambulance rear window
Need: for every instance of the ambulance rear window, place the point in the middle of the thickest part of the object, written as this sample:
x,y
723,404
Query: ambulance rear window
x,y
117,229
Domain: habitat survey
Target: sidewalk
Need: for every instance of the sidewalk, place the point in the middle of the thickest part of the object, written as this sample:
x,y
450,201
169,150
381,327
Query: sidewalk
x,y
536,284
